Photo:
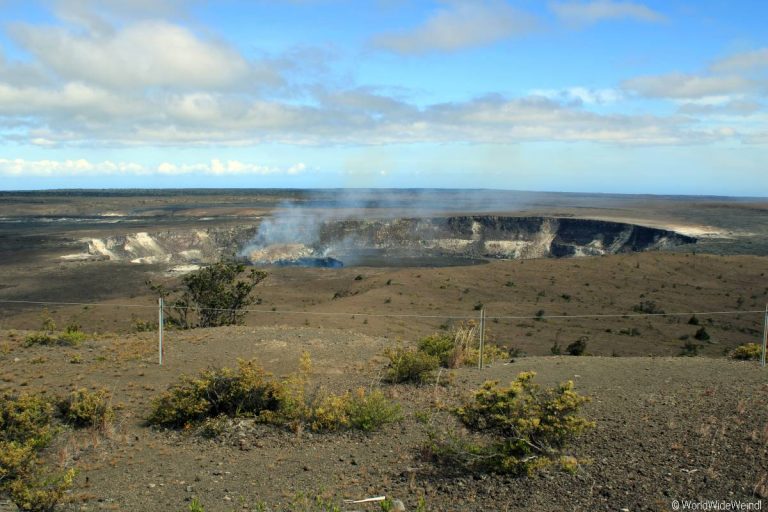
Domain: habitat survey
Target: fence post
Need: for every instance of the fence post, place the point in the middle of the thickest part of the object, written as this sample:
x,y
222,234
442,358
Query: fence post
x,y
765,337
160,330
482,339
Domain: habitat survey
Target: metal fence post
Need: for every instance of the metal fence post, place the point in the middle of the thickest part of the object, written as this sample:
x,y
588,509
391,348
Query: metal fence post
x,y
765,337
482,338
160,330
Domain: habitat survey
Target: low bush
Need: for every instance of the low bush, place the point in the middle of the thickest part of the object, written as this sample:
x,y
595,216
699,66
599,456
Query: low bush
x,y
45,338
702,334
218,394
410,365
647,307
521,427
249,391
83,408
458,348
442,346
358,410
371,411
578,347
26,427
71,338
690,349
747,351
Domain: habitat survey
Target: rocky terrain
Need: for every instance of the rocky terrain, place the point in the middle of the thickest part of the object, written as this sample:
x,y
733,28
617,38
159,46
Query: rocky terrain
x,y
666,429
637,277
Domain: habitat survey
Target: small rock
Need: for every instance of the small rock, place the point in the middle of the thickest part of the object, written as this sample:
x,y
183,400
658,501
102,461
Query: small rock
x,y
190,488
151,486
227,498
398,506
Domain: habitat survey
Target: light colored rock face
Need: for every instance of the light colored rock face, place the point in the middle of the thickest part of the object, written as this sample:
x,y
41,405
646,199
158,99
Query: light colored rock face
x,y
193,246
280,252
440,237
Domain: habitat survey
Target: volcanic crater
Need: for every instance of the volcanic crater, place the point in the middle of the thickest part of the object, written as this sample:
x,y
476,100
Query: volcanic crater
x,y
428,241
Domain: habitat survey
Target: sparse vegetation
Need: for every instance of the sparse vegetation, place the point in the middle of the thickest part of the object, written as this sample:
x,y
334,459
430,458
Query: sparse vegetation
x,y
212,296
47,335
747,351
410,365
648,307
249,391
442,349
522,427
26,428
578,347
690,349
83,408
223,393
702,334
361,410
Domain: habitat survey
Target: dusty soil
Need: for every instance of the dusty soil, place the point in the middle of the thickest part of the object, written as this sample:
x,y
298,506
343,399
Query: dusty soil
x,y
513,293
667,428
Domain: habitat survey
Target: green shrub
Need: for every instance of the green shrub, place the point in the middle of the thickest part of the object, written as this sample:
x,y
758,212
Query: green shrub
x,y
459,348
26,427
249,391
40,493
219,394
523,427
358,410
690,349
578,347
83,408
747,351
195,506
370,411
555,349
410,365
67,338
71,338
26,419
440,345
212,296
39,338
702,334
648,307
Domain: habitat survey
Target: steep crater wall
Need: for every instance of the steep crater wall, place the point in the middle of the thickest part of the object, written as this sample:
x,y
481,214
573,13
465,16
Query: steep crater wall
x,y
434,240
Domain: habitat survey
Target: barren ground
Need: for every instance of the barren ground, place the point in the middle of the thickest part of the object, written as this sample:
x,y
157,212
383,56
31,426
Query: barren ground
x,y
668,427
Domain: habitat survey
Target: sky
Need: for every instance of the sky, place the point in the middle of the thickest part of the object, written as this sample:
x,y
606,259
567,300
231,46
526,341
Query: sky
x,y
657,97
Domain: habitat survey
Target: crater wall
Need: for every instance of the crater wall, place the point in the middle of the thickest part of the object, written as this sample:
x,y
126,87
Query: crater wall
x,y
361,241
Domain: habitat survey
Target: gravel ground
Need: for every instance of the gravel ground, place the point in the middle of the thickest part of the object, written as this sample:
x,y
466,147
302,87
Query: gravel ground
x,y
666,429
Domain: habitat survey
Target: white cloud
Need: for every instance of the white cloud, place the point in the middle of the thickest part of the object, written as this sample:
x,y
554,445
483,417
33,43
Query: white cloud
x,y
740,62
461,24
687,86
585,95
587,13
82,167
141,54
717,108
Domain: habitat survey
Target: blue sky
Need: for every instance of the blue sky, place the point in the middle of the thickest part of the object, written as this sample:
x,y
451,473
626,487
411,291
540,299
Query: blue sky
x,y
590,95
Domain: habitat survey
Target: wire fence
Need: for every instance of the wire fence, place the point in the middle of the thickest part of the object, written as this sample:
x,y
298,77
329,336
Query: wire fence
x,y
481,318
